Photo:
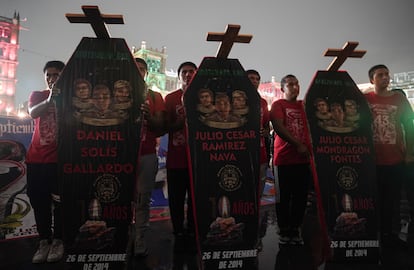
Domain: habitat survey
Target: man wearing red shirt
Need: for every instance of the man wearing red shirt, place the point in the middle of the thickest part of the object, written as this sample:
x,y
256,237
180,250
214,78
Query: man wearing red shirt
x,y
41,161
254,78
178,177
291,160
153,111
393,143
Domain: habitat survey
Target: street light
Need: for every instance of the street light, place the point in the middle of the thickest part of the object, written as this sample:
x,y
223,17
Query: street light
x,y
8,110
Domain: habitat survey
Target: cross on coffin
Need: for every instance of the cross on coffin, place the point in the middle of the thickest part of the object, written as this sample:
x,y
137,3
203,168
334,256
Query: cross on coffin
x,y
96,19
228,39
342,54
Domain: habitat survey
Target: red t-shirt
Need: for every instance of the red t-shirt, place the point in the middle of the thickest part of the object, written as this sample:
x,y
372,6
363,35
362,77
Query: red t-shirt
x,y
177,140
43,147
293,116
148,137
264,119
388,113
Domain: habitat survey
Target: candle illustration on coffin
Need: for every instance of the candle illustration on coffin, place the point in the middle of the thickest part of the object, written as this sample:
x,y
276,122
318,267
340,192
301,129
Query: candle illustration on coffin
x,y
224,229
348,223
224,207
347,203
94,233
95,210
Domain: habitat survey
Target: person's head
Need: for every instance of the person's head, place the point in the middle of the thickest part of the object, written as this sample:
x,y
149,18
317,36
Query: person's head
x,y
350,107
205,96
254,77
185,73
52,70
321,105
239,99
379,76
289,85
83,88
337,112
142,67
222,103
101,95
122,91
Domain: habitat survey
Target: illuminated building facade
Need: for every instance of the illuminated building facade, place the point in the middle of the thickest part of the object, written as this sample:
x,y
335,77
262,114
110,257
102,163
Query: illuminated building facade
x,y
405,81
270,91
9,46
158,78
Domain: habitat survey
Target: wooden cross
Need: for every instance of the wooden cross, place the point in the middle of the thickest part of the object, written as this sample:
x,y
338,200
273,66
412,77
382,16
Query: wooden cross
x,y
227,39
96,19
342,55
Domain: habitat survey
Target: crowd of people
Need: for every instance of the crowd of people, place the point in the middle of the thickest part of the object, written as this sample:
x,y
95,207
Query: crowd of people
x,y
291,150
